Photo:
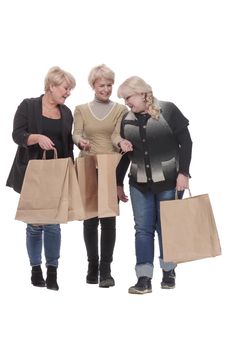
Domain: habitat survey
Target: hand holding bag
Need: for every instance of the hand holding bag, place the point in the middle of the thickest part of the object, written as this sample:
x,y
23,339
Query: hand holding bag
x,y
189,230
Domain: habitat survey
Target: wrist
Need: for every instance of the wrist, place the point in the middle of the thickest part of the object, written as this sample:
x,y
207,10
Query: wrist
x,y
184,174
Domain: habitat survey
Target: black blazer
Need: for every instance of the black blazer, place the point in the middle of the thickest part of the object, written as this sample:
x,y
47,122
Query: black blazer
x,y
28,120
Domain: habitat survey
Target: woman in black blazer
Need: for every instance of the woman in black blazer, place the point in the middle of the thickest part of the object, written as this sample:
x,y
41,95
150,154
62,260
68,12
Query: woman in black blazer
x,y
43,123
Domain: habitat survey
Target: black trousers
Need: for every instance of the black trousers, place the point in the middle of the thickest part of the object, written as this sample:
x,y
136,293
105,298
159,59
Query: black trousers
x,y
107,239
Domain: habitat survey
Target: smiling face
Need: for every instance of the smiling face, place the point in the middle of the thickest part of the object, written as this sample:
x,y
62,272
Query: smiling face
x,y
59,93
103,89
136,103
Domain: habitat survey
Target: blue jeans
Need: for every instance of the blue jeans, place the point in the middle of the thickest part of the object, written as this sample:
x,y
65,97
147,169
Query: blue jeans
x,y
146,211
50,235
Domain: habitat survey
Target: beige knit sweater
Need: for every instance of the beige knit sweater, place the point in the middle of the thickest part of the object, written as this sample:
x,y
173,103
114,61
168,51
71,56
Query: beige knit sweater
x,y
103,133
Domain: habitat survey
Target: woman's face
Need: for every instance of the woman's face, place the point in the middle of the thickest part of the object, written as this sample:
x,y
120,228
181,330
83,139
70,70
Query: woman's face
x,y
136,103
60,92
103,89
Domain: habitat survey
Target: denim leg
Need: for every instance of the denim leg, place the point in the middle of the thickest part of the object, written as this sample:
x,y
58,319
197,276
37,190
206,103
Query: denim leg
x,y
34,243
162,196
52,244
143,205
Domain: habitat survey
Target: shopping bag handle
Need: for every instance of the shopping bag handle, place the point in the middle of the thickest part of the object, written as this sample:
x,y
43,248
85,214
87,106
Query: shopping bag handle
x,y
176,195
55,153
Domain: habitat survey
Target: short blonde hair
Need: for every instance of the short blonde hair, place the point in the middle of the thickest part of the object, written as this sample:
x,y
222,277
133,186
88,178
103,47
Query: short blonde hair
x,y
99,72
56,76
136,85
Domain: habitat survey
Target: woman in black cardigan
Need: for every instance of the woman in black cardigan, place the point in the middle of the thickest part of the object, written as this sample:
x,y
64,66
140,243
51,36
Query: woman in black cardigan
x,y
43,123
156,137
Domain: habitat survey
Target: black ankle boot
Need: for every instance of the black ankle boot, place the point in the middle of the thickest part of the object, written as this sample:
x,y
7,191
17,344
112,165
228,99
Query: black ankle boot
x,y
51,280
93,273
37,277
106,280
169,279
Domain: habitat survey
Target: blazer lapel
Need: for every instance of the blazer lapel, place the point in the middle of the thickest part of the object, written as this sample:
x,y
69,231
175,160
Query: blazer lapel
x,y
64,129
38,114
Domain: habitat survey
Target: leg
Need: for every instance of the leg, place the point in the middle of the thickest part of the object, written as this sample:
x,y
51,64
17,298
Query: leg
x,y
34,249
168,268
52,245
107,242
144,217
90,233
143,205
34,243
108,238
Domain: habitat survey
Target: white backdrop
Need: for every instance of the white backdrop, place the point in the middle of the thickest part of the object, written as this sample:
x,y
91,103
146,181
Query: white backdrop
x,y
184,50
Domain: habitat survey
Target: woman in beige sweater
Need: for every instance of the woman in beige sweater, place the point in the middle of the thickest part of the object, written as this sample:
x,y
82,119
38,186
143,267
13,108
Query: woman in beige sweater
x,y
96,131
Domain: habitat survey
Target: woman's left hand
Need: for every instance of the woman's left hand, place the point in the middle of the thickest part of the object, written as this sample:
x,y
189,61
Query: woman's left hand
x,y
121,194
182,182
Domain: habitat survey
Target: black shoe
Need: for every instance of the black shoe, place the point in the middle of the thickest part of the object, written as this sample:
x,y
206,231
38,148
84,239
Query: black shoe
x,y
168,281
92,279
51,280
142,286
93,273
37,277
106,282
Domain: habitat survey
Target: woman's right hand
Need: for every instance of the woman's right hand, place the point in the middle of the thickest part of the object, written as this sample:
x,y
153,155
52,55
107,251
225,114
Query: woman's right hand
x,y
84,144
45,142
126,146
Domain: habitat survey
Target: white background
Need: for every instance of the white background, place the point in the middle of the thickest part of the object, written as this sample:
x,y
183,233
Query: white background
x,y
184,50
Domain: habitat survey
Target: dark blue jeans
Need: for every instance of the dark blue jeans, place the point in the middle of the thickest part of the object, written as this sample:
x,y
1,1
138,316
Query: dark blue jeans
x,y
146,210
50,235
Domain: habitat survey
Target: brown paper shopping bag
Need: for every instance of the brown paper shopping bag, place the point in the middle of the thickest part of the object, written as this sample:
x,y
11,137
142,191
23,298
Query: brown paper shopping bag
x,y
87,180
75,204
189,230
97,181
50,193
44,194
107,188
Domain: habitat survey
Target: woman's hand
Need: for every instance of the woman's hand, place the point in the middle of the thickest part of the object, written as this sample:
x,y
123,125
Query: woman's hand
x,y
182,182
84,144
126,146
43,141
121,194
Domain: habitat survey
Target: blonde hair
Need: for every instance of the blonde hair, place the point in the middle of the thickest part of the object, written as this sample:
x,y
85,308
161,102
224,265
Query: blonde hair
x,y
99,72
56,76
136,85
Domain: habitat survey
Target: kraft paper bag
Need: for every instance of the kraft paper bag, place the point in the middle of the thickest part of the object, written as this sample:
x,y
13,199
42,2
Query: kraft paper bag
x,y
189,230
75,204
97,181
44,196
50,192
87,179
107,187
